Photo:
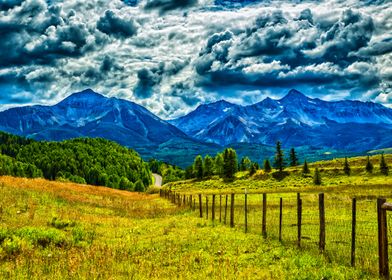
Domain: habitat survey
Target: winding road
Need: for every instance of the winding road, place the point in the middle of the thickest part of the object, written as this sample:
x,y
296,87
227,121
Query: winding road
x,y
158,180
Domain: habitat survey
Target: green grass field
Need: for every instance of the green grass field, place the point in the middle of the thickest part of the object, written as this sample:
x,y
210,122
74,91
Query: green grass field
x,y
51,230
339,190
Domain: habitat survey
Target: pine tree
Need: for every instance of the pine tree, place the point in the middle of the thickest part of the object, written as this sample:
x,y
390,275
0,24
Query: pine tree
x,y
267,166
245,164
317,177
279,157
369,165
218,166
346,168
189,172
139,187
198,167
305,168
384,169
230,163
253,169
208,166
293,158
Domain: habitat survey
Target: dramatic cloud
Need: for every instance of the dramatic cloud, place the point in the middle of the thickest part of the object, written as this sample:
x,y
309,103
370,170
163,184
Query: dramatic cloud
x,y
167,5
110,23
190,52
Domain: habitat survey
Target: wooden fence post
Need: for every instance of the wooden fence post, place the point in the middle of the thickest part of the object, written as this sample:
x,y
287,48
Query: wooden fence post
x,y
207,207
264,218
232,210
184,200
200,206
382,239
226,208
353,227
280,218
213,208
246,211
299,218
322,222
190,201
220,208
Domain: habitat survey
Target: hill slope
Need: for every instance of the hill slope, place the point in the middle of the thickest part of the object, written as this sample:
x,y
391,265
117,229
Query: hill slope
x,y
102,233
95,161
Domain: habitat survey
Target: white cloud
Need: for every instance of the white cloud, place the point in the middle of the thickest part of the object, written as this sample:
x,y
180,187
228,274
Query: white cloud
x,y
178,37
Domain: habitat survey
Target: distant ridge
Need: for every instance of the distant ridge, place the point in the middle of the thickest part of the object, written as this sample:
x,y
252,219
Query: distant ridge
x,y
294,119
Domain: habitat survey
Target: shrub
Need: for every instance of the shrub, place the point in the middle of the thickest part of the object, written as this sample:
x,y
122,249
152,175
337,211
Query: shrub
x,y
153,189
79,235
12,246
42,237
61,224
280,175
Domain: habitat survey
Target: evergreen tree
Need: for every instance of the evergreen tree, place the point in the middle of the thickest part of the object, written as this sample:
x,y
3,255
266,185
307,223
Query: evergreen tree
x,y
189,172
253,169
305,168
124,183
317,177
245,164
267,166
279,157
198,167
139,187
346,168
230,163
293,157
384,169
369,165
218,166
208,166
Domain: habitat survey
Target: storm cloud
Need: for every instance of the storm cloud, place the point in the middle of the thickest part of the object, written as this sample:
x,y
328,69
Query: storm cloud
x,y
110,23
171,55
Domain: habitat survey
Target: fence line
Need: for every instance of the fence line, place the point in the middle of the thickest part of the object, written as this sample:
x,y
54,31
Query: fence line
x,y
306,223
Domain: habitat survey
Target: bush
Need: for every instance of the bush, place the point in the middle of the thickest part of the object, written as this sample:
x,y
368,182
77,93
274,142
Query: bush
x,y
12,246
79,235
153,189
61,224
42,237
280,175
3,234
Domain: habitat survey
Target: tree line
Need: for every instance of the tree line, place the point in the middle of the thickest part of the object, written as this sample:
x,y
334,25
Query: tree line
x,y
225,165
82,160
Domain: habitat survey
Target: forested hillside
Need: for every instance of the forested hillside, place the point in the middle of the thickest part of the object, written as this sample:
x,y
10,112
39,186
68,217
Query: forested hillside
x,y
83,160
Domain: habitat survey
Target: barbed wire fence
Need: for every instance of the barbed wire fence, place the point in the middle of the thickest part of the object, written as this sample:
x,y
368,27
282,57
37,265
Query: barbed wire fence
x,y
344,229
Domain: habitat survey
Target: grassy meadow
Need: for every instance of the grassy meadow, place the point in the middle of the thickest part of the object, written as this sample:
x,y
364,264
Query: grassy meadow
x,y
52,230
339,191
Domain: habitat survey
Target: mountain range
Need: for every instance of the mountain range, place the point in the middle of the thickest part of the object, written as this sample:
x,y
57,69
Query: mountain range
x,y
296,120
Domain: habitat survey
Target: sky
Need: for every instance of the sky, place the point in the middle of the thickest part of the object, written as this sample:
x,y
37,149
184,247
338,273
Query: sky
x,y
172,55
